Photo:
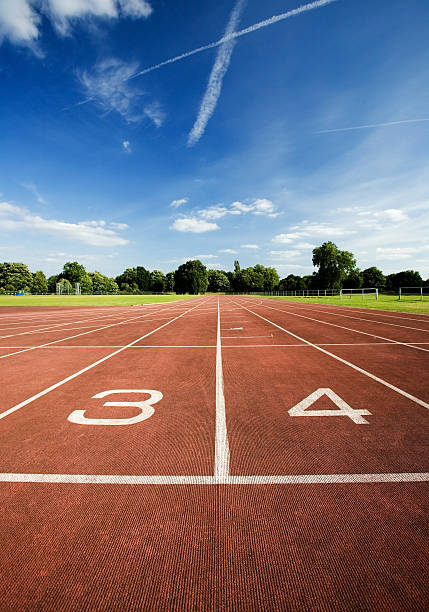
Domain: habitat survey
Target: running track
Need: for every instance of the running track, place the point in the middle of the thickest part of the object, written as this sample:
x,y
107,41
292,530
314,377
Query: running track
x,y
210,482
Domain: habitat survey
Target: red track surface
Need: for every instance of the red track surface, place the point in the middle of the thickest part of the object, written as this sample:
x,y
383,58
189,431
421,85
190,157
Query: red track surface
x,y
221,499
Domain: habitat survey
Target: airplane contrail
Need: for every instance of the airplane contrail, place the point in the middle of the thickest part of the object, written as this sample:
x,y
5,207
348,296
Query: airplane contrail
x,y
371,125
217,74
233,35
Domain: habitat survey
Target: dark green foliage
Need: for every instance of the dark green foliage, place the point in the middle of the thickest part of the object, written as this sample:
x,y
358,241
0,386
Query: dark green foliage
x,y
143,278
157,281
127,281
218,281
15,276
102,284
333,265
39,284
406,278
191,277
169,281
354,280
373,277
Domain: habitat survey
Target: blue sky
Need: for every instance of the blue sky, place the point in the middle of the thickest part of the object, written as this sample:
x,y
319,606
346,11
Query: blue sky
x,y
308,128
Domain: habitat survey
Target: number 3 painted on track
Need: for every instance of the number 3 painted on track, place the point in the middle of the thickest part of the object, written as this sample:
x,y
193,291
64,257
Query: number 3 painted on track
x,y
145,406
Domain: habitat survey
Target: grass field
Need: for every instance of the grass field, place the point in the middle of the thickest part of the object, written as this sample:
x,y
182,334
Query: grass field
x,y
384,302
88,300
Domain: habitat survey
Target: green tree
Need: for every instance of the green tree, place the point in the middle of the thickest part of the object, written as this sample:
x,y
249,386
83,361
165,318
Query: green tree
x,y
102,284
373,277
15,276
111,286
191,277
218,281
143,278
406,278
52,283
39,284
127,281
74,272
333,265
169,281
157,281
354,280
292,283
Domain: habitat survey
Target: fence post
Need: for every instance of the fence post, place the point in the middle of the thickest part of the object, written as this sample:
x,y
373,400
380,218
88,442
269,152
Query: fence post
x,y
399,295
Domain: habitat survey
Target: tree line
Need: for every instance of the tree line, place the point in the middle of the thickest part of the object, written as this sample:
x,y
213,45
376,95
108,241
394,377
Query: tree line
x,y
335,269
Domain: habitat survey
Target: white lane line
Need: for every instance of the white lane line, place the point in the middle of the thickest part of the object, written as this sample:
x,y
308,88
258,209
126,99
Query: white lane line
x,y
54,328
144,346
339,314
49,344
290,479
87,368
357,331
221,462
347,363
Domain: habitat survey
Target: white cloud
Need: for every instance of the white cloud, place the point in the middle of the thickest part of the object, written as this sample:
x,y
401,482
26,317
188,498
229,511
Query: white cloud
x,y
135,8
209,256
193,225
155,113
286,254
259,206
107,87
126,146
213,212
249,246
95,233
230,251
177,203
18,21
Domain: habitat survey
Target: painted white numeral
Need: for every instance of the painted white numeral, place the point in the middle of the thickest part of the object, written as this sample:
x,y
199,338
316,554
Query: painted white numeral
x,y
344,409
145,406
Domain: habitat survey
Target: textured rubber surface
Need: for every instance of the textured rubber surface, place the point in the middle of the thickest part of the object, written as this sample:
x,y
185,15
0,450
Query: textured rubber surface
x,y
220,499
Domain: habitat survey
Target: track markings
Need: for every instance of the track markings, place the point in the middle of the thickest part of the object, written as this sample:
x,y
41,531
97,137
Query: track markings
x,y
87,368
347,363
301,409
222,456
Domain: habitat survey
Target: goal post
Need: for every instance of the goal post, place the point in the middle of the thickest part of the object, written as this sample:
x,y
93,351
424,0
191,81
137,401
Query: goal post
x,y
414,292
363,293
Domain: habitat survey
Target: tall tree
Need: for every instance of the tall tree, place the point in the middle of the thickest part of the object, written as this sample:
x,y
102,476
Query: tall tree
x,y
143,278
157,281
373,277
74,272
169,281
127,281
218,281
406,278
191,277
333,265
15,276
39,284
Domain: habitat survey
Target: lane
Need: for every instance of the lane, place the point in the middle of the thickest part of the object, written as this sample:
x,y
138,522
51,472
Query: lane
x,y
9,371
400,366
325,328
266,439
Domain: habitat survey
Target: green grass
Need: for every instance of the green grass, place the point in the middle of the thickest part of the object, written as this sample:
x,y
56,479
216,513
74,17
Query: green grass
x,y
88,300
384,302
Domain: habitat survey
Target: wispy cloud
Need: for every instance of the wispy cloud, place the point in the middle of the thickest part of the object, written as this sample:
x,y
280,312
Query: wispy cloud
x,y
258,206
229,251
126,145
107,86
33,189
20,19
95,233
253,28
178,203
249,246
372,125
193,225
217,75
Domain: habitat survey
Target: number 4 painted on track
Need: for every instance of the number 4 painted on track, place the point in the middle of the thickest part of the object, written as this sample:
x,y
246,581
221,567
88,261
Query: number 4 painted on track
x,y
344,409
145,406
